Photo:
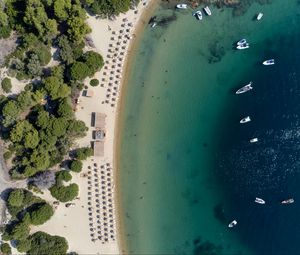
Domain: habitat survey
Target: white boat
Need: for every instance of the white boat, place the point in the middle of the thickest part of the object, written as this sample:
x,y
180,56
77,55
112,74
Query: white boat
x,y
244,89
259,16
269,62
243,46
207,10
153,24
181,6
259,201
241,42
254,140
232,224
198,15
288,201
245,120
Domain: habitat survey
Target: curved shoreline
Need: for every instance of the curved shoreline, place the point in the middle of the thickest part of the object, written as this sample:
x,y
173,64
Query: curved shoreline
x,y
138,30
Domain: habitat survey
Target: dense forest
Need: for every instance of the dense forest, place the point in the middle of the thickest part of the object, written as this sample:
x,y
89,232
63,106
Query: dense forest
x,y
38,124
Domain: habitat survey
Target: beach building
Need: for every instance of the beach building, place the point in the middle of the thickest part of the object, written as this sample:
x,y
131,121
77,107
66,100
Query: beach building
x,y
99,120
98,149
99,134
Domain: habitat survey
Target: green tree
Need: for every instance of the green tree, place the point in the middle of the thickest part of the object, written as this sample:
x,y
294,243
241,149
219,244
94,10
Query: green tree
x,y
24,100
38,96
5,249
43,53
43,119
79,71
6,85
23,245
63,175
77,29
111,7
36,17
37,161
31,139
61,9
65,50
20,231
84,153
43,243
5,29
11,113
26,133
65,109
76,166
42,214
65,193
19,131
59,126
34,66
56,88
77,128
16,197
93,60
58,72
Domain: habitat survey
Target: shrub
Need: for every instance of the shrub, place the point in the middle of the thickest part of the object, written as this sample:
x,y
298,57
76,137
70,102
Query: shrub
x,y
16,197
28,87
94,82
64,193
5,249
42,214
43,243
6,85
7,155
76,166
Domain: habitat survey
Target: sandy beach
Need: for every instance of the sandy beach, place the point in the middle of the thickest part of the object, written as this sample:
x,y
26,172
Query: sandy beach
x,y
92,224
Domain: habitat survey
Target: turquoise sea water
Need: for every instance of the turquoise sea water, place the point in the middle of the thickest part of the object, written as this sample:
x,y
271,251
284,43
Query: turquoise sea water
x,y
186,166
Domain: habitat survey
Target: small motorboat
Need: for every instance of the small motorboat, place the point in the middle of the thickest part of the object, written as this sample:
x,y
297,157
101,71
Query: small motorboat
x,y
243,46
241,42
259,201
153,24
269,62
232,224
198,15
245,120
244,89
207,10
181,6
259,16
288,201
254,140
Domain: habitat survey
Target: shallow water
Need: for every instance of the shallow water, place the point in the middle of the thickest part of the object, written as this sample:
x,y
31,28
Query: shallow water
x,y
187,168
